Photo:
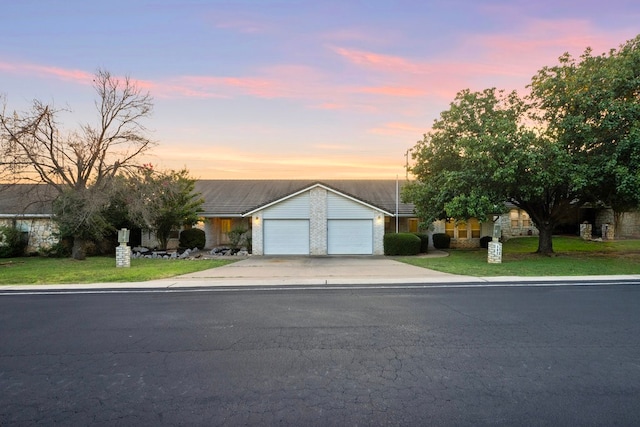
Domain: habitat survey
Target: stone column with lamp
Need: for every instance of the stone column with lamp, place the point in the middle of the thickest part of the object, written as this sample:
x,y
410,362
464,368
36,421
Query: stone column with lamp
x,y
123,251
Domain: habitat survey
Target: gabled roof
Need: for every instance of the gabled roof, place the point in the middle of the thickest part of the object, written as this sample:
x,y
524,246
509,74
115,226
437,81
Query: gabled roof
x,y
259,208
238,197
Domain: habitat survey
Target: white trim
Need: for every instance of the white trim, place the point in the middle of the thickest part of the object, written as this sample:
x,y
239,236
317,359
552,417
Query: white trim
x,y
10,216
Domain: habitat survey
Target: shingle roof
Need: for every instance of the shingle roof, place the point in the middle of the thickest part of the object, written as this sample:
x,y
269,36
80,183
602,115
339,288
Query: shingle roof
x,y
236,197
224,197
26,199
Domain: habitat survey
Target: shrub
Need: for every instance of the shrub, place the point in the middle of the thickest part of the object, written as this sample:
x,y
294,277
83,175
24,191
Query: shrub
x,y
441,241
236,236
192,238
424,242
401,244
484,241
11,242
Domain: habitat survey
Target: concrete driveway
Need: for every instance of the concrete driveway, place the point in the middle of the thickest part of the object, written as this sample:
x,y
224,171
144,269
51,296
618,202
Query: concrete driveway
x,y
319,270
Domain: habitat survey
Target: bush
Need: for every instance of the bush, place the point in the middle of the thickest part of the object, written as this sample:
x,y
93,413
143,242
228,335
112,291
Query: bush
x,y
484,241
11,242
424,242
192,238
441,241
236,236
401,244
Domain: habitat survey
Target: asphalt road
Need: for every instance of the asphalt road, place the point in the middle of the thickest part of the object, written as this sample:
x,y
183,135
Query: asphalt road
x,y
449,356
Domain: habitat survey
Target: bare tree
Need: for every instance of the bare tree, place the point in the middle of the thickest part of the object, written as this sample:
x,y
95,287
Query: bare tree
x,y
80,164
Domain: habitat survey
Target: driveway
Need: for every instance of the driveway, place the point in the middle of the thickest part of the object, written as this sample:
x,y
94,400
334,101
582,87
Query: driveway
x,y
319,270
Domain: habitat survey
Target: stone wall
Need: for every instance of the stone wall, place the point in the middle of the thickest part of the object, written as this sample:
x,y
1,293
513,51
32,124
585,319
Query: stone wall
x,y
42,232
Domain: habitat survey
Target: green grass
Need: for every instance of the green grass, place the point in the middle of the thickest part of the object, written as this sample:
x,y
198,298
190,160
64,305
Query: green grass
x,y
96,270
573,257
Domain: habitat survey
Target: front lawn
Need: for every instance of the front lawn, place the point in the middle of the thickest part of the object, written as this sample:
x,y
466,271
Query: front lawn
x,y
96,270
573,257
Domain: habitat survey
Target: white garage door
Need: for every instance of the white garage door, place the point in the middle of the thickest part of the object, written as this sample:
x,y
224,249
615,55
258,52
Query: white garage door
x,y
350,237
286,237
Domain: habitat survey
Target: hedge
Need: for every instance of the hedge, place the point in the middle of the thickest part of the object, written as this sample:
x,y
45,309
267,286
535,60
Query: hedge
x,y
441,241
424,242
401,244
484,241
192,238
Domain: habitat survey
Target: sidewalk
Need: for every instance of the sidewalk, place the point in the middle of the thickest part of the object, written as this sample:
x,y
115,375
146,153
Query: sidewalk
x,y
318,271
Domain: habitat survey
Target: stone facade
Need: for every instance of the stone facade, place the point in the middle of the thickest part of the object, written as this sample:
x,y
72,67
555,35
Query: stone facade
x,y
318,221
41,231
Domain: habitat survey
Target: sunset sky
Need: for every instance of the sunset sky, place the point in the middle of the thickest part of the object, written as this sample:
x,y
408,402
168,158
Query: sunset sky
x,y
322,89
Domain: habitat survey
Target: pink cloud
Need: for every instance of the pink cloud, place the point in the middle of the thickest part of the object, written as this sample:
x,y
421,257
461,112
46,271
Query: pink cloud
x,y
77,76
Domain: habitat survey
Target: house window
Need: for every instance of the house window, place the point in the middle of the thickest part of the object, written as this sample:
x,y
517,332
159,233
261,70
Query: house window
x,y
515,217
462,230
449,226
474,225
413,225
526,221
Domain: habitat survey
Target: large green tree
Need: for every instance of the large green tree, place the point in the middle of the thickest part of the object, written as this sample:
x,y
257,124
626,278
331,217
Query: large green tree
x,y
591,108
573,140
81,164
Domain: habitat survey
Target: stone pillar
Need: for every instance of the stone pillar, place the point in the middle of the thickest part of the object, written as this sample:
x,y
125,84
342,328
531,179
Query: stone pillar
x,y
494,254
123,255
608,231
586,231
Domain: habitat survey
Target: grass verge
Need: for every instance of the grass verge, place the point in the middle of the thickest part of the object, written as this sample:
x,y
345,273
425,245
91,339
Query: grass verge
x,y
573,257
96,270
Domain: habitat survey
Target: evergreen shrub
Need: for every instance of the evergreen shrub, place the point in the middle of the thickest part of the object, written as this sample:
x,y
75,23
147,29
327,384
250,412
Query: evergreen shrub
x,y
441,241
11,242
192,238
401,244
424,242
484,241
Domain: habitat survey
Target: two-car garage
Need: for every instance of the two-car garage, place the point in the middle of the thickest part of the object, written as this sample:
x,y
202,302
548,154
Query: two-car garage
x,y
318,221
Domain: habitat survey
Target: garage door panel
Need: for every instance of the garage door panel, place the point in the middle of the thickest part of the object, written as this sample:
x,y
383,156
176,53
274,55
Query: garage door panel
x,y
286,237
350,237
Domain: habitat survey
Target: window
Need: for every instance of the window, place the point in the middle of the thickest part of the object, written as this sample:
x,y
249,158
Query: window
x,y
413,225
449,227
526,221
515,217
462,230
474,225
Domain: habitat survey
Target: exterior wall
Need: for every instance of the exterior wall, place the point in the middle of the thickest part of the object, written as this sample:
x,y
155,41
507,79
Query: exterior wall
x,y
256,234
463,243
629,224
516,223
318,221
378,234
42,232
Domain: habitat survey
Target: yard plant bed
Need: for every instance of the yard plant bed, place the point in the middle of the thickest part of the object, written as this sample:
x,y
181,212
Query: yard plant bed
x,y
96,270
573,257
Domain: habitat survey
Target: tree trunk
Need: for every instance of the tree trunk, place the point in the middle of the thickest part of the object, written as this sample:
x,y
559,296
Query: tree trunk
x,y
79,249
545,242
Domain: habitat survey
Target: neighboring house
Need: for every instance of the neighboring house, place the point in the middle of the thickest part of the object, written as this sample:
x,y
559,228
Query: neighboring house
x,y
27,207
300,216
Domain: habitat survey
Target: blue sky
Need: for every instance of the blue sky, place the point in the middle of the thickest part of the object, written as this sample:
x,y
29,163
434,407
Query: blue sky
x,y
292,89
